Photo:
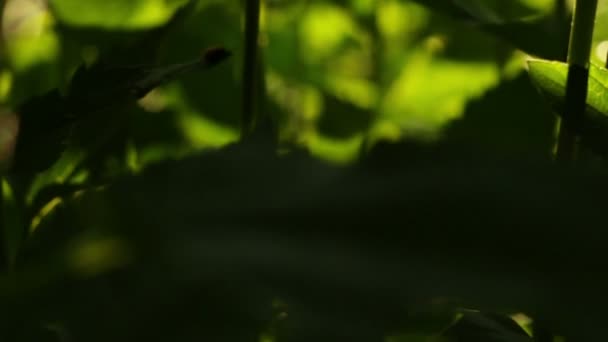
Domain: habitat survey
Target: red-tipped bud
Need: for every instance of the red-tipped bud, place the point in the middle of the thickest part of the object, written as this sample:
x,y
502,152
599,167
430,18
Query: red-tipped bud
x,y
214,55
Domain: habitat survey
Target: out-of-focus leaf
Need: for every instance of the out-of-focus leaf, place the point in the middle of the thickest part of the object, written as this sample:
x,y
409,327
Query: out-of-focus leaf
x,y
209,106
30,49
238,228
487,327
116,14
532,31
532,36
499,11
402,68
30,332
449,7
101,86
425,94
51,192
600,34
140,47
201,249
493,124
12,223
550,78
342,119
44,127
46,122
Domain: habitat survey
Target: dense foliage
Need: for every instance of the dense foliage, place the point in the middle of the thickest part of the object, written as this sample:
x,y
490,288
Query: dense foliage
x,y
374,170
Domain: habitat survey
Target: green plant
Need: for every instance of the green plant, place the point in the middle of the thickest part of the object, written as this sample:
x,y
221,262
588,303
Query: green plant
x,y
145,200
576,91
578,74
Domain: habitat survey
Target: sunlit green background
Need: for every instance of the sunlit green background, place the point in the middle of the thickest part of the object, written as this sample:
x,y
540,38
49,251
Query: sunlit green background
x,y
340,75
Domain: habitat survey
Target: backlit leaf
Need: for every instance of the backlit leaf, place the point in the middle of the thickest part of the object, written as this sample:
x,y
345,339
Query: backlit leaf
x,y
115,14
550,78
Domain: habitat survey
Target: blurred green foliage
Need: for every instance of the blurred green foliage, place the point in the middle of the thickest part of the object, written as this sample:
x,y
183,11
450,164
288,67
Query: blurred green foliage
x,y
400,173
339,74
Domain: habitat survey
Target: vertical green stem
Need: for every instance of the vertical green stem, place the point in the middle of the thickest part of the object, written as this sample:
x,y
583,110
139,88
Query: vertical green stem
x,y
250,67
579,53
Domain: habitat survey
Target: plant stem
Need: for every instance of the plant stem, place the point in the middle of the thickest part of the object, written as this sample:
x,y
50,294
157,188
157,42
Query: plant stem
x,y
579,53
250,67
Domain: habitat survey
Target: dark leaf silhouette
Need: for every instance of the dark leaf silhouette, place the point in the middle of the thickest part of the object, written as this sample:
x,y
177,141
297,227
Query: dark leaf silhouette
x,y
539,36
487,327
46,121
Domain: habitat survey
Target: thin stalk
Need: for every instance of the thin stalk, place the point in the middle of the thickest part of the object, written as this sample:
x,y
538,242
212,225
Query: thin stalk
x,y
250,67
579,53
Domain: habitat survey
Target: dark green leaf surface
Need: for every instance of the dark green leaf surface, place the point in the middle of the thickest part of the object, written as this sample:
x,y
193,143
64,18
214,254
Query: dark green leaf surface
x,y
46,122
488,11
537,37
43,133
534,32
486,327
345,247
493,125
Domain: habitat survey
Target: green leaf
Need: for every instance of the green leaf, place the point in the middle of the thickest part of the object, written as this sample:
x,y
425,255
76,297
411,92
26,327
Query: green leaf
x,y
103,86
448,7
499,11
531,36
487,327
43,131
115,14
491,122
490,11
208,99
550,78
528,28
47,121
343,119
